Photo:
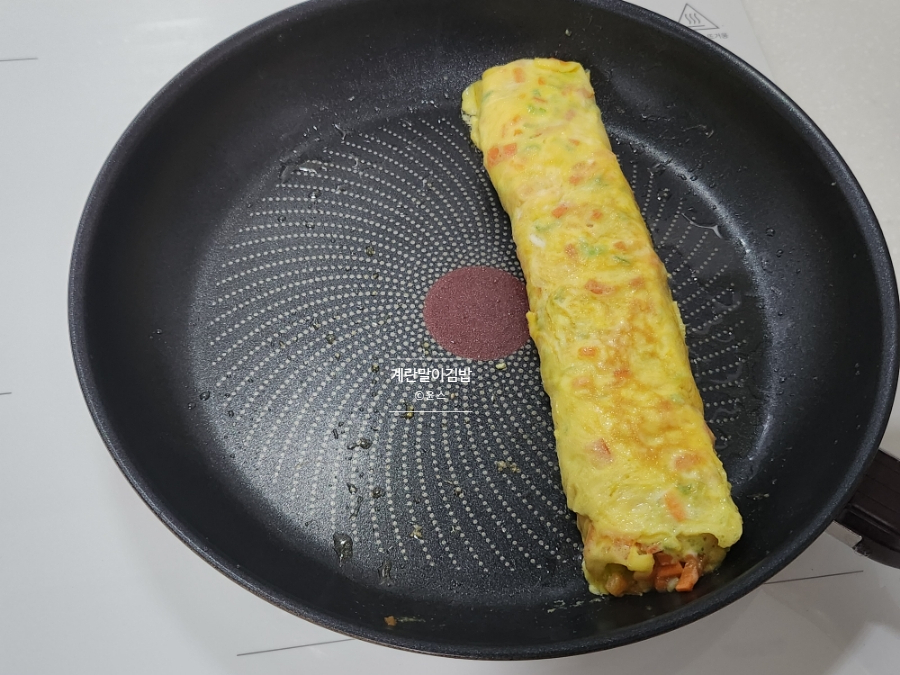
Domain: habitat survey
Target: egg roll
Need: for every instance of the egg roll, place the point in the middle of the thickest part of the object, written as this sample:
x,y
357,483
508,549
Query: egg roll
x,y
636,458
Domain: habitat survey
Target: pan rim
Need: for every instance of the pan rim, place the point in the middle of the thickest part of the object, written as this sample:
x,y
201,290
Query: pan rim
x,y
742,72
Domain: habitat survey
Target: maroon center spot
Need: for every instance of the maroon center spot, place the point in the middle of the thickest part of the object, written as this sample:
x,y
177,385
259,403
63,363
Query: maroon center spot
x,y
478,313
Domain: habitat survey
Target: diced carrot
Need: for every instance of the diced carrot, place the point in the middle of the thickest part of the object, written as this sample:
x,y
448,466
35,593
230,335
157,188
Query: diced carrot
x,y
665,570
620,245
539,99
575,180
690,575
587,352
596,287
574,141
518,75
559,211
686,461
541,80
669,571
675,507
621,373
663,559
571,251
596,214
496,154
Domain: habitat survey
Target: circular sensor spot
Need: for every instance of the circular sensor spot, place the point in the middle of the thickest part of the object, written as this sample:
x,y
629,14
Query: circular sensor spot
x,y
478,313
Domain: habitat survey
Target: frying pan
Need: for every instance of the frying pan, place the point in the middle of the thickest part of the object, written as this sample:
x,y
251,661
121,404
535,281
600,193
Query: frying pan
x,y
250,271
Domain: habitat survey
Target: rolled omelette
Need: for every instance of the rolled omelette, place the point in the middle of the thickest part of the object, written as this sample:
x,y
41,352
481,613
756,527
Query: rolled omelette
x,y
636,457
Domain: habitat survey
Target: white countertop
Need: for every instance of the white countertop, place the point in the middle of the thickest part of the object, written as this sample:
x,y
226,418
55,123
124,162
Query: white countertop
x,y
92,582
840,62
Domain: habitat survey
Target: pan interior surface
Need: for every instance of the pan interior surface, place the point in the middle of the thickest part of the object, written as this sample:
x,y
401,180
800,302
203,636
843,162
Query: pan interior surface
x,y
403,464
251,272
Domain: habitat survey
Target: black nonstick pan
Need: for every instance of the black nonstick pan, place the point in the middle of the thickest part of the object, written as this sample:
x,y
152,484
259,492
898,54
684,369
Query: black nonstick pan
x,y
247,309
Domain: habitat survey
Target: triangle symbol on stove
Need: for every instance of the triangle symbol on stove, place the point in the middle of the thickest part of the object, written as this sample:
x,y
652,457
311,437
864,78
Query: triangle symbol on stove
x,y
691,18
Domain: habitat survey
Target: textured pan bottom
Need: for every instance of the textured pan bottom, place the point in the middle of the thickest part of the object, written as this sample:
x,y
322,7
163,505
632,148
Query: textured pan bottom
x,y
383,453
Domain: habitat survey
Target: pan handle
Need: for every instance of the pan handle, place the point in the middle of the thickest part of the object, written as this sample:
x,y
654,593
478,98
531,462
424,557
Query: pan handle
x,y
870,522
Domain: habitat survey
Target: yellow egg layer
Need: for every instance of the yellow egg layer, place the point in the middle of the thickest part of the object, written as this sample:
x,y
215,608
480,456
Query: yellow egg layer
x,y
636,456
